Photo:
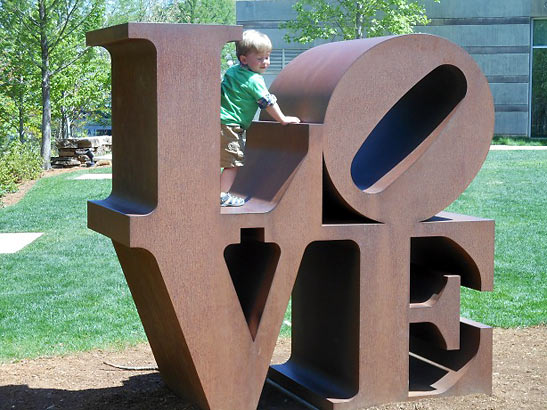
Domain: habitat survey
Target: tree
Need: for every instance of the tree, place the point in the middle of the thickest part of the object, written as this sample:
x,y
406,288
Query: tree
x,y
55,33
82,92
196,12
200,12
177,11
345,19
123,11
17,77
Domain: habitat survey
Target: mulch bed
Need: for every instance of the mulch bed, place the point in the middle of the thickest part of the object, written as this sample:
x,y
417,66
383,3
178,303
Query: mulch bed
x,y
84,381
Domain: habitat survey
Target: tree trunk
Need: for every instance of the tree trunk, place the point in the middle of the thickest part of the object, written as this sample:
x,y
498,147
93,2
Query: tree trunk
x,y
359,32
46,88
64,132
21,115
68,127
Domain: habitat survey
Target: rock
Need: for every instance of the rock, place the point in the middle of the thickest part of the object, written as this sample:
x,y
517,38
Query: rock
x,y
73,151
66,143
94,142
65,162
88,142
65,152
103,162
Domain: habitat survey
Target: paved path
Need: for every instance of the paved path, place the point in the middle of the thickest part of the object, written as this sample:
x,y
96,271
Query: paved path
x,y
95,176
13,242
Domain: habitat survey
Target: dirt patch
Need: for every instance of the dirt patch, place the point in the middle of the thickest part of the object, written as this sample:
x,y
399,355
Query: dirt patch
x,y
14,197
84,381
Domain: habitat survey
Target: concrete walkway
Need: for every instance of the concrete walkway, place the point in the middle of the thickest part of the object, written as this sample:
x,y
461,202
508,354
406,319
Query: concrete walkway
x,y
14,242
95,176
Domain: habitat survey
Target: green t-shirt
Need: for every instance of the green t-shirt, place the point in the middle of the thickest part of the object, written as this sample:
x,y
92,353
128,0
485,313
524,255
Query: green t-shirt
x,y
242,92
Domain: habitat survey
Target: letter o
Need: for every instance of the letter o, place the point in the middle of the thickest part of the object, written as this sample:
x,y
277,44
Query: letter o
x,y
407,120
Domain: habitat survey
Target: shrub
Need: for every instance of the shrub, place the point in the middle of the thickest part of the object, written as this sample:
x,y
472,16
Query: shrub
x,y
19,162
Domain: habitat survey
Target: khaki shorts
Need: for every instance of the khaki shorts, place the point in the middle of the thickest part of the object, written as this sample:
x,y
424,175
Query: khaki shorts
x,y
232,146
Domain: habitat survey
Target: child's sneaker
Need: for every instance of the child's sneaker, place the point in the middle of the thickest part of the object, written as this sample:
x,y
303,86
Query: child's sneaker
x,y
227,199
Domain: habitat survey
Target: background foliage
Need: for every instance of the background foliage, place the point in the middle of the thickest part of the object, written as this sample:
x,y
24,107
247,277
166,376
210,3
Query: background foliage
x,y
75,79
539,94
46,37
351,19
18,162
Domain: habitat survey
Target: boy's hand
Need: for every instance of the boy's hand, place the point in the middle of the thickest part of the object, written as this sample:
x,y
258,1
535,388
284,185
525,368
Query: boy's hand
x,y
278,115
291,120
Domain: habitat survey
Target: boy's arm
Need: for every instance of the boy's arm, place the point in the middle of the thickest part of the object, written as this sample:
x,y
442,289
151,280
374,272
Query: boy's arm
x,y
278,115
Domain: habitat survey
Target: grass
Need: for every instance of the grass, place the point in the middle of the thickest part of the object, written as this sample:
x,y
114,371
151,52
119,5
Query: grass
x,y
511,188
508,140
66,291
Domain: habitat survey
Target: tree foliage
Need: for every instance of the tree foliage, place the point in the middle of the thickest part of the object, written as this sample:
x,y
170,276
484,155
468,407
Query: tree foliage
x,y
200,12
82,93
196,12
346,20
171,11
177,11
123,11
18,78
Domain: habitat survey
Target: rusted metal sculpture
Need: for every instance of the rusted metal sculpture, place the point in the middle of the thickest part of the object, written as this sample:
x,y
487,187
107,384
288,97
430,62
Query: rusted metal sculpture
x,y
343,211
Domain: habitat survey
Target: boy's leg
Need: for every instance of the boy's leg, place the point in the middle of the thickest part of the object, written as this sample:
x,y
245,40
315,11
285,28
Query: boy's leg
x,y
227,178
231,158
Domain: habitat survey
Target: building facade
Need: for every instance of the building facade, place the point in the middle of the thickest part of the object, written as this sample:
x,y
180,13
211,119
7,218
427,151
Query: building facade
x,y
507,39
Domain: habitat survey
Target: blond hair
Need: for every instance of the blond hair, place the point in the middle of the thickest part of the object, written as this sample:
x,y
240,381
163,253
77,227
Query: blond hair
x,y
253,41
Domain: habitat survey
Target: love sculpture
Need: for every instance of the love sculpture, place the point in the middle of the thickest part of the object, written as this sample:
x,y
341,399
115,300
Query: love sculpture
x,y
344,212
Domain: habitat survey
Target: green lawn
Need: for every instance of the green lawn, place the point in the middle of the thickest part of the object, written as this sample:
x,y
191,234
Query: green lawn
x,y
512,189
66,292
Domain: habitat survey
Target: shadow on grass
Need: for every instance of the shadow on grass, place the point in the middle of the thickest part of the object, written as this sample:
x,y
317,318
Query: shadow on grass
x,y
144,392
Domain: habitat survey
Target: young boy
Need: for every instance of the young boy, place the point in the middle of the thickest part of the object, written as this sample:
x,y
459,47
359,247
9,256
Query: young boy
x,y
243,91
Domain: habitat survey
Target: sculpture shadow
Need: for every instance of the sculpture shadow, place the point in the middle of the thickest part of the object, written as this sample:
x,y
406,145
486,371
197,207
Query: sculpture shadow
x,y
141,392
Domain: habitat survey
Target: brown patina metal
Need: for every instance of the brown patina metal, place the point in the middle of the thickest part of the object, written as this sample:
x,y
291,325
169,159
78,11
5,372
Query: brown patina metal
x,y
344,212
